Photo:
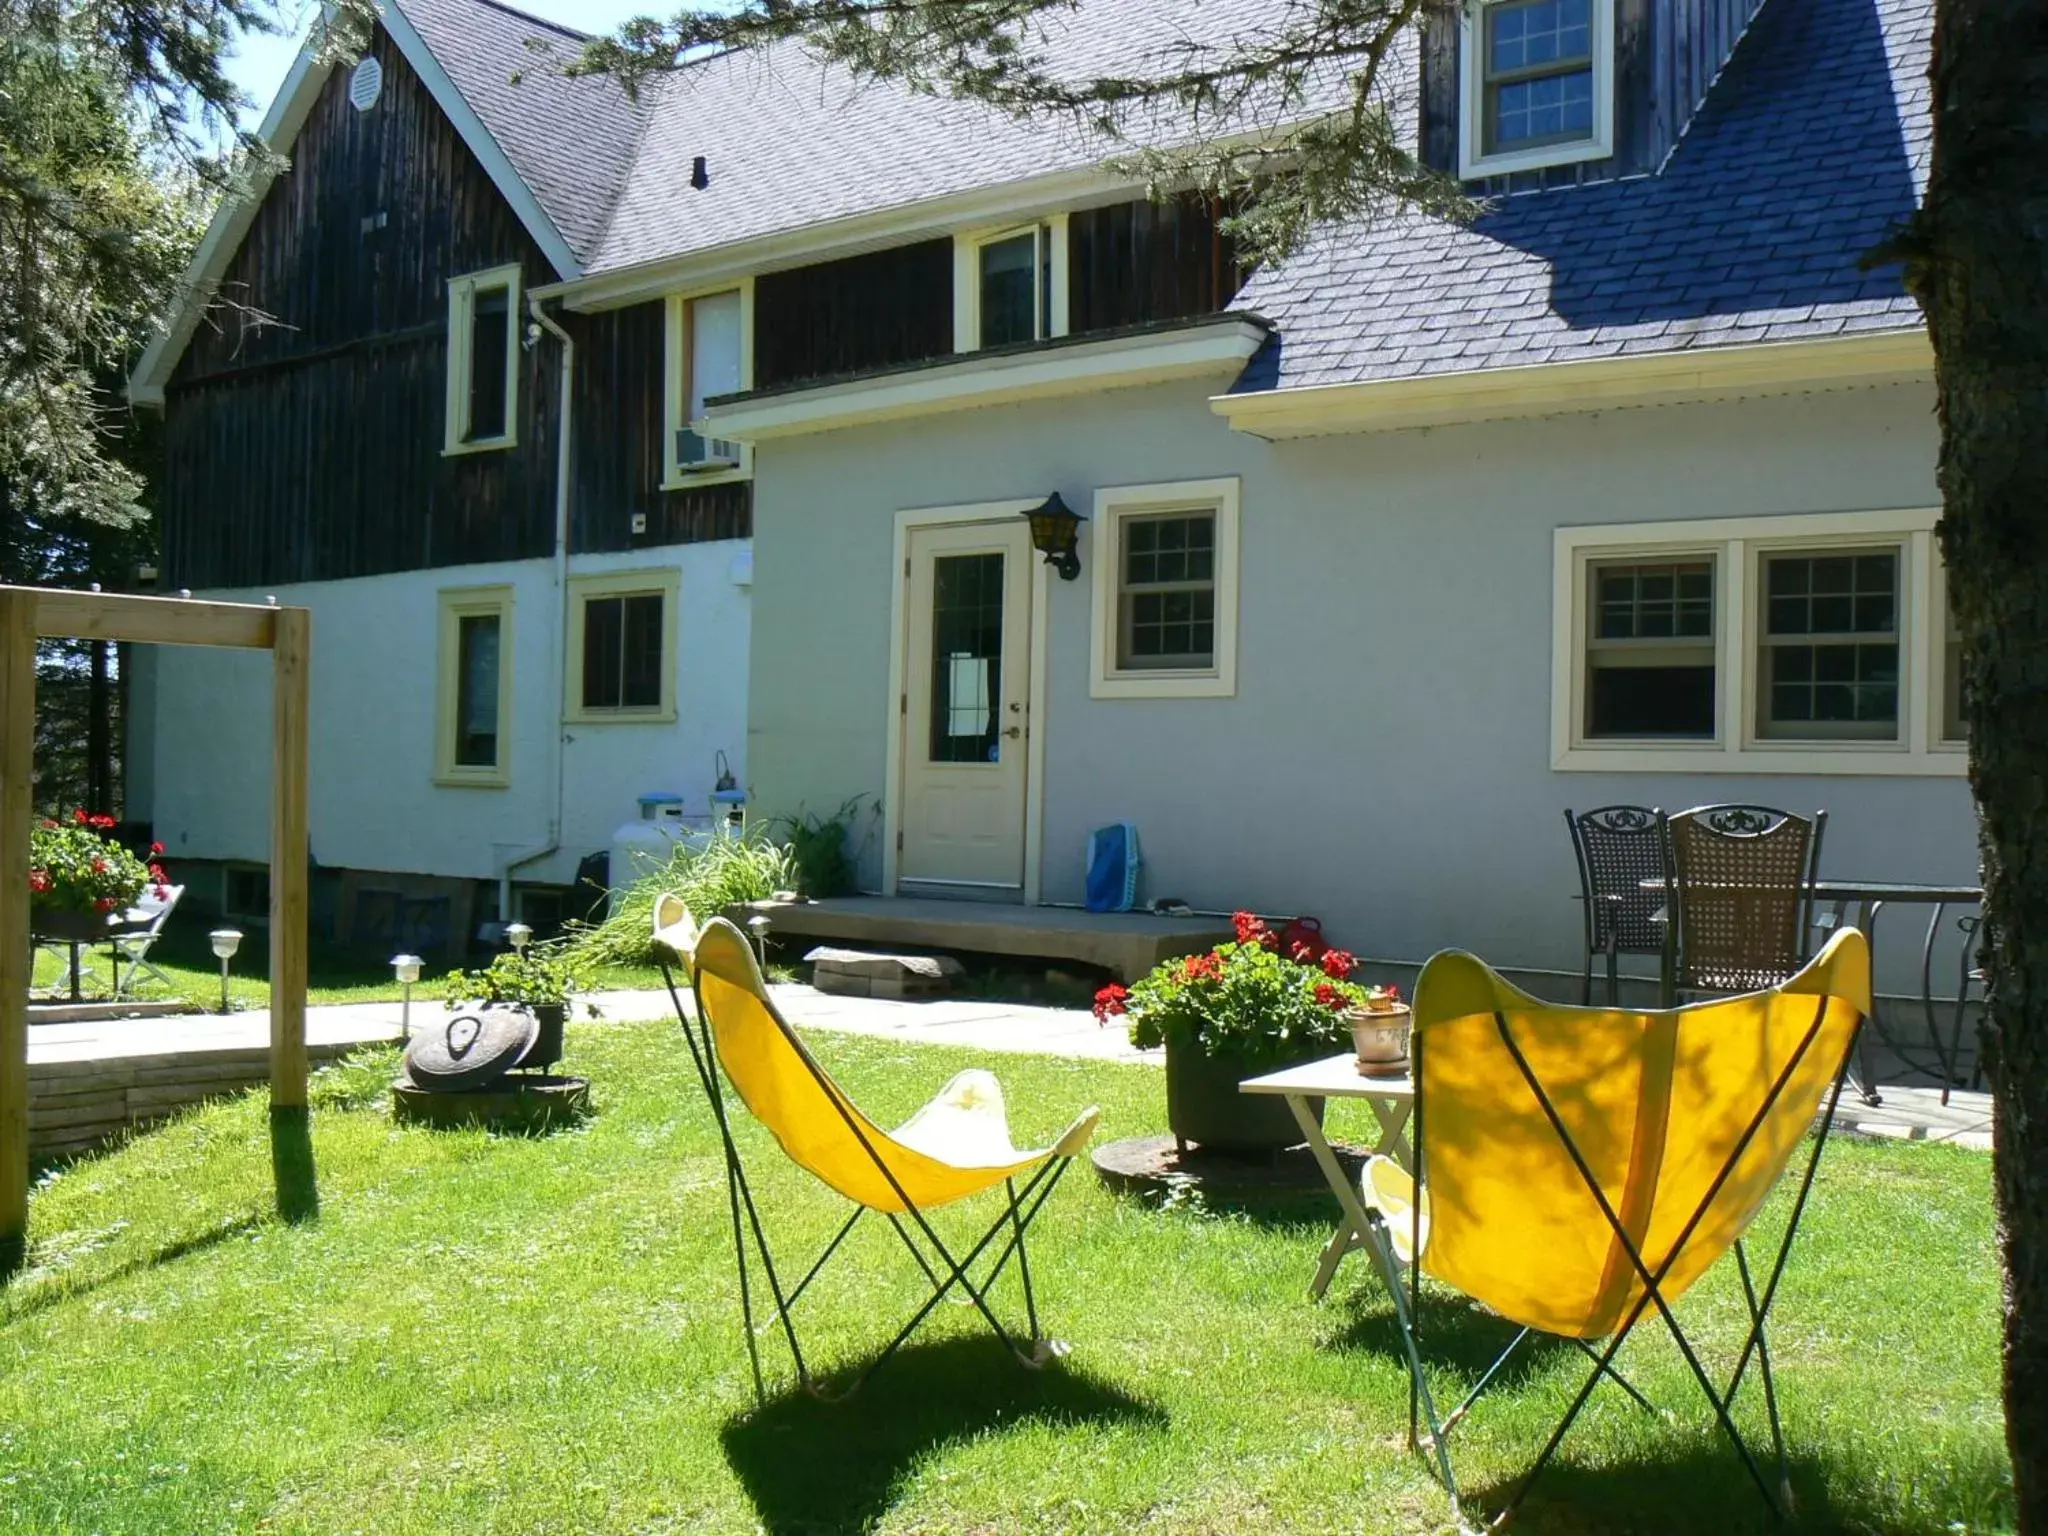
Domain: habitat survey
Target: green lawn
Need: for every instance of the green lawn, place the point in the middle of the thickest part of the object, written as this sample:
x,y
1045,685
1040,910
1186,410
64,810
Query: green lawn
x,y
481,1334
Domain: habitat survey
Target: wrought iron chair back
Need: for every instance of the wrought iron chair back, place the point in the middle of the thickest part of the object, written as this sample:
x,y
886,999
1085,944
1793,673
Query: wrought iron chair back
x,y
1618,847
1742,877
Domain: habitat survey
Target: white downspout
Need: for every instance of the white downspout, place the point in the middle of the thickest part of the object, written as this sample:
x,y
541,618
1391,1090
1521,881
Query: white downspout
x,y
563,471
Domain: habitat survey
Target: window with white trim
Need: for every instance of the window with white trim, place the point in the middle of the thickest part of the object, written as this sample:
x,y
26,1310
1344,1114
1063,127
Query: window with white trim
x,y
1165,590
1010,285
710,352
622,646
473,720
1809,643
1954,732
483,361
1537,84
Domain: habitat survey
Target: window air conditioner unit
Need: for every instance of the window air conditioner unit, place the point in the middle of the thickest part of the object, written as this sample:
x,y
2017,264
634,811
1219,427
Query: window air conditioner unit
x,y
696,454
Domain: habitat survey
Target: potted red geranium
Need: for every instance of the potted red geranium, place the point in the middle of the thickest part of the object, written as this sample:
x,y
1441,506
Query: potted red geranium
x,y
80,880
1235,1012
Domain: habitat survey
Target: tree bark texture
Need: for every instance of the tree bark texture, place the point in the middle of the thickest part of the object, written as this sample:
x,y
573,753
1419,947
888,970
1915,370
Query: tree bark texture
x,y
1978,260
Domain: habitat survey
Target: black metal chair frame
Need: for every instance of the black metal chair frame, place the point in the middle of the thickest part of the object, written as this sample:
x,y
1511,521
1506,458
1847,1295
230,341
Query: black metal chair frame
x,y
1020,1209
1407,1307
1606,910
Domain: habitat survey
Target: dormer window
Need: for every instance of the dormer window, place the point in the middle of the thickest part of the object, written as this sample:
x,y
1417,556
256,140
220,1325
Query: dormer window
x,y
1010,285
1537,85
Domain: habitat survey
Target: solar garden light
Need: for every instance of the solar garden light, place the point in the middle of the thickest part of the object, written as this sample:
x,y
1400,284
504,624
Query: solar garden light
x,y
758,926
407,969
518,935
225,942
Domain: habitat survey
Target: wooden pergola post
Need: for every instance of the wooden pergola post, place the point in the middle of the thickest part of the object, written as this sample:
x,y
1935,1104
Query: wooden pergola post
x,y
30,613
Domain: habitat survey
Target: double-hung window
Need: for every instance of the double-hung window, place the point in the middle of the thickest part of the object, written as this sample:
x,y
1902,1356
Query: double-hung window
x,y
1010,285
622,646
1809,643
1537,84
483,361
1165,566
710,353
475,698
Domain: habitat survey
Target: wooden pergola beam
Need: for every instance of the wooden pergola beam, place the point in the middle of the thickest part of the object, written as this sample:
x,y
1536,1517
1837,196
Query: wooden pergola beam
x,y
31,613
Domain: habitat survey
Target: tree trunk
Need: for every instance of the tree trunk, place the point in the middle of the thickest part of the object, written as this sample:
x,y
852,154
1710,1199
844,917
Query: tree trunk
x,y
1979,264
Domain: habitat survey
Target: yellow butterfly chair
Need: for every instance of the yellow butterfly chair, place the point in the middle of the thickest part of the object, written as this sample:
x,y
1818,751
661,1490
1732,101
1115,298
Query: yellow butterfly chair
x,y
1579,1166
956,1147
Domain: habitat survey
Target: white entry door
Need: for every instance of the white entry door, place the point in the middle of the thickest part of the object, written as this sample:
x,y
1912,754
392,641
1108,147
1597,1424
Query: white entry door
x,y
964,710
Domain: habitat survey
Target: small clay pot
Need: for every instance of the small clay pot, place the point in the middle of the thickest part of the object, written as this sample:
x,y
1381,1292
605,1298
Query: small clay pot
x,y
1381,1038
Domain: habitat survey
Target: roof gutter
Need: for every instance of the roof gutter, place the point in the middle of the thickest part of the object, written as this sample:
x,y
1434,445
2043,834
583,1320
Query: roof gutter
x,y
1692,375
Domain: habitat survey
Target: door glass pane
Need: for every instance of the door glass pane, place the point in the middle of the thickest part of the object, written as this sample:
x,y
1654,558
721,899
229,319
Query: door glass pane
x,y
476,691
967,658
1009,287
490,343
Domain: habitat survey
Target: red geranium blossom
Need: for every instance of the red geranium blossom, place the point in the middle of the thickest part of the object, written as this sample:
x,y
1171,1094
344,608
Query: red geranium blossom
x,y
1331,997
1109,1002
39,880
79,816
1207,967
1339,963
1249,929
104,904
100,823
156,850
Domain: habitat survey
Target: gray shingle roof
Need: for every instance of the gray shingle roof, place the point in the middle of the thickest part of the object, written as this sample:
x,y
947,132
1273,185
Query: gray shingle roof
x,y
571,141
1810,148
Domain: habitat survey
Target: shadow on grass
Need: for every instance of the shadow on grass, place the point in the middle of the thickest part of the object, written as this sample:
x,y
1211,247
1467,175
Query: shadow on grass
x,y
1453,1334
812,1467
1696,1486
14,1308
291,1162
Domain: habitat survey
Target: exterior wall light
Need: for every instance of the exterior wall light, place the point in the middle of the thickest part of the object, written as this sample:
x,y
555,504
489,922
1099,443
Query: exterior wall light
x,y
518,935
225,942
1055,529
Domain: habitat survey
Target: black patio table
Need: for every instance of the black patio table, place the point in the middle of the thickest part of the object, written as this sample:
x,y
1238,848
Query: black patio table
x,y
1870,898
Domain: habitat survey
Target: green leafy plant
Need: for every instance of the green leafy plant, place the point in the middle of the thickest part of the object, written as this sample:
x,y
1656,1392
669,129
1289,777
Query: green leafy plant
x,y
1245,1001
544,975
818,844
73,866
730,869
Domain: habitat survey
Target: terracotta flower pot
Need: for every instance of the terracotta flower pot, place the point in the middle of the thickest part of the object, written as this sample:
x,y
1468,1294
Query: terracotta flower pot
x,y
1380,1036
1203,1104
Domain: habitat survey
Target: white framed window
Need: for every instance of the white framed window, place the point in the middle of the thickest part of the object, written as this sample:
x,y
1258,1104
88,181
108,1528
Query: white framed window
x,y
622,646
1954,733
473,715
483,361
1536,84
1808,643
1165,560
709,352
1010,285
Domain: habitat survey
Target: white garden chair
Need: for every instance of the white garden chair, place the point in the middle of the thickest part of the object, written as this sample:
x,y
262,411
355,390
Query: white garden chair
x,y
140,927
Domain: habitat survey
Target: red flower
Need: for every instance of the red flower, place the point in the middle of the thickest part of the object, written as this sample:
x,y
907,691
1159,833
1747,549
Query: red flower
x,y
99,866
104,904
1304,953
1339,963
79,816
1110,1001
156,873
1331,997
156,850
162,893
1391,994
1249,929
48,825
39,880
100,822
1207,967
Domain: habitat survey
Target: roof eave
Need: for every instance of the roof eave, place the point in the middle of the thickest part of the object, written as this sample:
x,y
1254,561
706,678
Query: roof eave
x,y
1686,376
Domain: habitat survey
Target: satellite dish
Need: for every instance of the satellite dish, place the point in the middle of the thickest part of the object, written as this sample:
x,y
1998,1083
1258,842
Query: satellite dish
x,y
366,85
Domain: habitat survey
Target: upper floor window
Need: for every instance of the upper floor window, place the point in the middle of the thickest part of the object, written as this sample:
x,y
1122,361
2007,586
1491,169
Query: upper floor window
x,y
1537,85
483,360
1010,285
710,353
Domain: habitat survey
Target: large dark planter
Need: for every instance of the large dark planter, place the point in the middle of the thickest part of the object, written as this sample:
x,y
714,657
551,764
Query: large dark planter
x,y
547,1040
70,927
1203,1104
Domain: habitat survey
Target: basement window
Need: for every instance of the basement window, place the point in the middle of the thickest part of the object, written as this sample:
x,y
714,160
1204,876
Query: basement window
x,y
483,361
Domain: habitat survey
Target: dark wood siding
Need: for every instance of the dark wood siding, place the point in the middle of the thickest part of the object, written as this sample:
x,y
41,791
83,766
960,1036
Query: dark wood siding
x,y
307,446
853,316
617,451
1144,262
1666,55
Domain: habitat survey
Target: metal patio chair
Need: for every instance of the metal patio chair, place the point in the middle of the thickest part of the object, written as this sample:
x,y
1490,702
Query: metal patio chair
x,y
140,927
1618,847
956,1147
1742,882
1578,1167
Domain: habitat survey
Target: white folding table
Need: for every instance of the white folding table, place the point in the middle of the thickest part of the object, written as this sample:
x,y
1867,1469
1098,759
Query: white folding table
x,y
1392,1100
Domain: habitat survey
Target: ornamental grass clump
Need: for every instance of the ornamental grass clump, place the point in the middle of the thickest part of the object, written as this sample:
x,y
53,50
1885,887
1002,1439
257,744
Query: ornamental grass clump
x,y
73,866
1248,1001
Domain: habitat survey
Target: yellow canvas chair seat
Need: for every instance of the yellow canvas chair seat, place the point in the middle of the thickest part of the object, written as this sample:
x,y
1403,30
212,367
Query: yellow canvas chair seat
x,y
1580,1166
957,1146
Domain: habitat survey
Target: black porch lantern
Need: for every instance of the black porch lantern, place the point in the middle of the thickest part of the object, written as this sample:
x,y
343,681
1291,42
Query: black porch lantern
x,y
1054,530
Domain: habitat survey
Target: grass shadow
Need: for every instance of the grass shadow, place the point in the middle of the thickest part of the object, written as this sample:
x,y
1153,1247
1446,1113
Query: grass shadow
x,y
1453,1334
291,1164
14,1309
1697,1486
813,1467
